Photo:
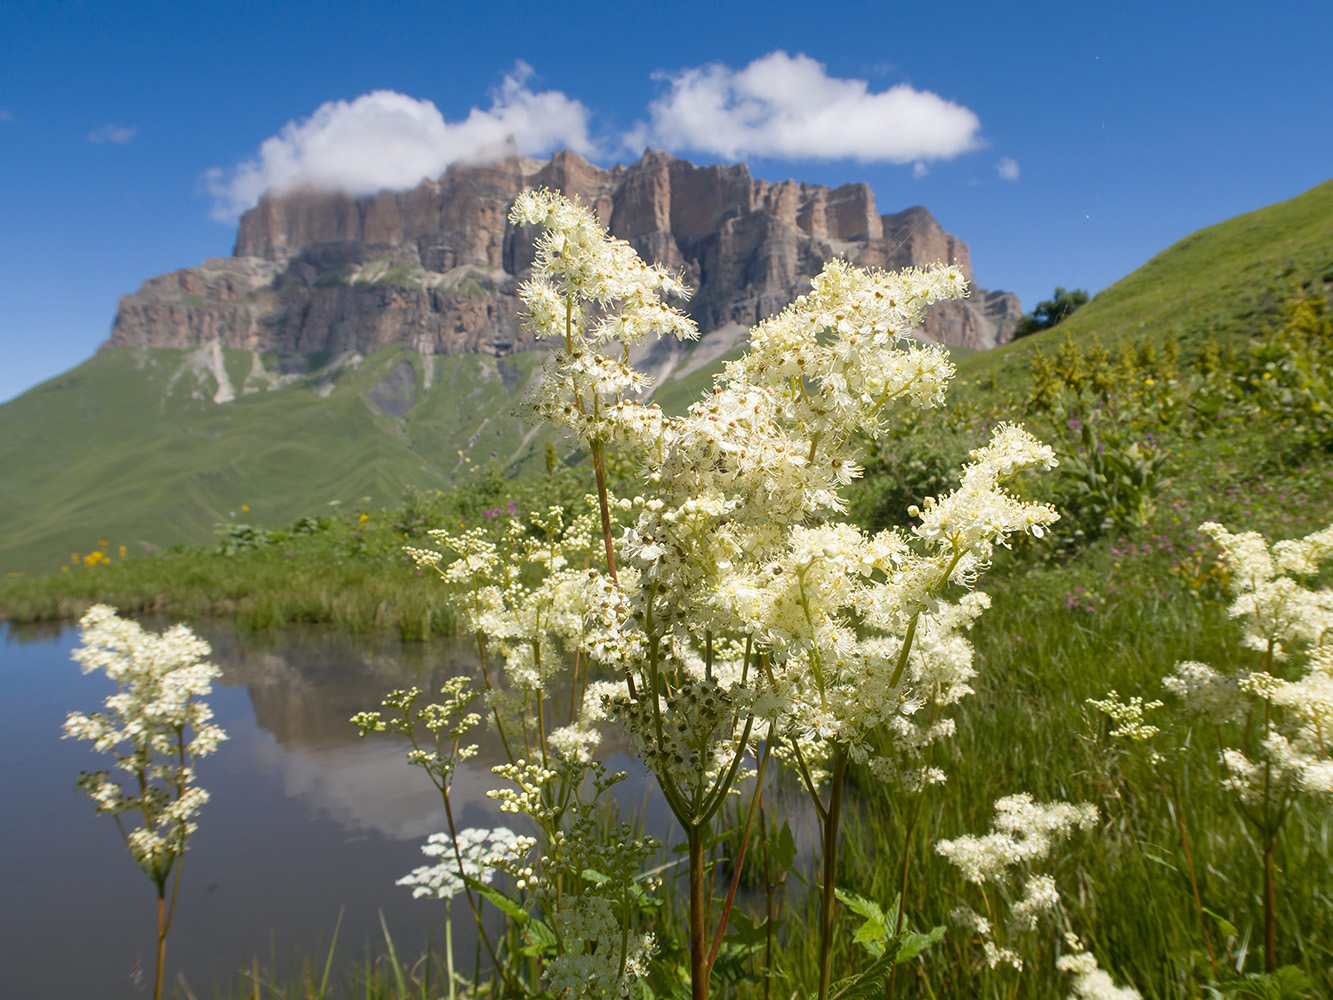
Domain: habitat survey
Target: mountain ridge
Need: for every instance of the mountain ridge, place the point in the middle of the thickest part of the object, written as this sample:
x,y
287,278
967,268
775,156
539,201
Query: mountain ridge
x,y
436,267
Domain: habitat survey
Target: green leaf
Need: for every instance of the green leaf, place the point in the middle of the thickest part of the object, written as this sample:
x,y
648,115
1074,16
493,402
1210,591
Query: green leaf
x,y
1226,926
914,944
1286,983
783,851
860,905
399,974
541,939
745,931
499,899
868,983
871,937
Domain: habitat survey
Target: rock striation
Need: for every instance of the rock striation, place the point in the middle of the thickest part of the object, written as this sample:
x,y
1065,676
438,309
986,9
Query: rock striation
x,y
437,267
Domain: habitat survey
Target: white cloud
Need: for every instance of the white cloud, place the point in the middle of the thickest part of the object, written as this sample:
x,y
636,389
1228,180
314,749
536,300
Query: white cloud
x,y
789,107
919,170
117,135
1007,168
389,140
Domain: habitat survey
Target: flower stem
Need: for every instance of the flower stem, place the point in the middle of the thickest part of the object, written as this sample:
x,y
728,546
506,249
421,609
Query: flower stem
x,y
699,966
745,840
1270,902
161,940
828,902
1194,881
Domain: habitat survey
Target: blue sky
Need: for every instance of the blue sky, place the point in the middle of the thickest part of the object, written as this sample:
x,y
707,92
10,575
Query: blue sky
x,y
1066,143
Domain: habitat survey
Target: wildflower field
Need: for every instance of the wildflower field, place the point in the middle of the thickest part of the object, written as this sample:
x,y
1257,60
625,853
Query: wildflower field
x,y
1045,646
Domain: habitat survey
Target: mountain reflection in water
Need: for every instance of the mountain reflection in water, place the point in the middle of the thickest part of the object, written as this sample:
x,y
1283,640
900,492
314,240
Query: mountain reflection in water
x,y
305,818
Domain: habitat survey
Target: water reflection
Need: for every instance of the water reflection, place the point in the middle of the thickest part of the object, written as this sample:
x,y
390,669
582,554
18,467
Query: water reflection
x,y
306,819
303,689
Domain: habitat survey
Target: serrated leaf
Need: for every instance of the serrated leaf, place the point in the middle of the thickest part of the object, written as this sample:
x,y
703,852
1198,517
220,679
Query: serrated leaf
x,y
868,983
745,931
860,905
871,930
540,939
914,944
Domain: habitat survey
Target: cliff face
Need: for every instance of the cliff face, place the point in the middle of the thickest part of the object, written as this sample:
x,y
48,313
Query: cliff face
x,y
437,266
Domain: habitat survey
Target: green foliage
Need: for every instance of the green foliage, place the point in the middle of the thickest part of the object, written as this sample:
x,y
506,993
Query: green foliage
x,y
1049,312
919,459
883,933
1108,481
239,537
1287,379
1286,983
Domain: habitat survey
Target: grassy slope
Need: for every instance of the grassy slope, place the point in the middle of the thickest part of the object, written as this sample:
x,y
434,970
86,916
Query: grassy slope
x,y
125,448
1227,279
130,447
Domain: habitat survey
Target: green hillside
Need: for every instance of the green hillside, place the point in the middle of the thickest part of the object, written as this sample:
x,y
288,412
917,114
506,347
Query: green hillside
x,y
130,446
1229,280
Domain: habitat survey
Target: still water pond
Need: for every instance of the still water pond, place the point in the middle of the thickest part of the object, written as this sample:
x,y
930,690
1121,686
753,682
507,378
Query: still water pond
x,y
306,821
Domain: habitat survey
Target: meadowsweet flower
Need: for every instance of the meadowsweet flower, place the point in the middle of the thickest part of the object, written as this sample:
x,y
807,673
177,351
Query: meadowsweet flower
x,y
1039,897
1211,695
1279,617
735,615
594,962
1091,982
1024,831
587,290
157,725
161,686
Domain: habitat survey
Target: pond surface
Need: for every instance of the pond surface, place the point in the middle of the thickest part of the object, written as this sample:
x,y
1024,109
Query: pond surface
x,y
306,820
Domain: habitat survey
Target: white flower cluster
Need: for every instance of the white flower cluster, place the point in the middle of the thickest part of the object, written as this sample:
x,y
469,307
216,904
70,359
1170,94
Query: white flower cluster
x,y
602,954
161,686
1276,608
529,624
589,290
725,595
1091,982
1212,696
595,963
472,856
1279,616
1023,833
735,602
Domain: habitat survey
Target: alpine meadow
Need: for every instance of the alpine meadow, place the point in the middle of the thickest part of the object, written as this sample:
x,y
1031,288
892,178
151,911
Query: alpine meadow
x,y
1041,636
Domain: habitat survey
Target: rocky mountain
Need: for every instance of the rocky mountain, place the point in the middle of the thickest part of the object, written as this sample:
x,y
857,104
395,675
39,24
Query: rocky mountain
x,y
436,267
